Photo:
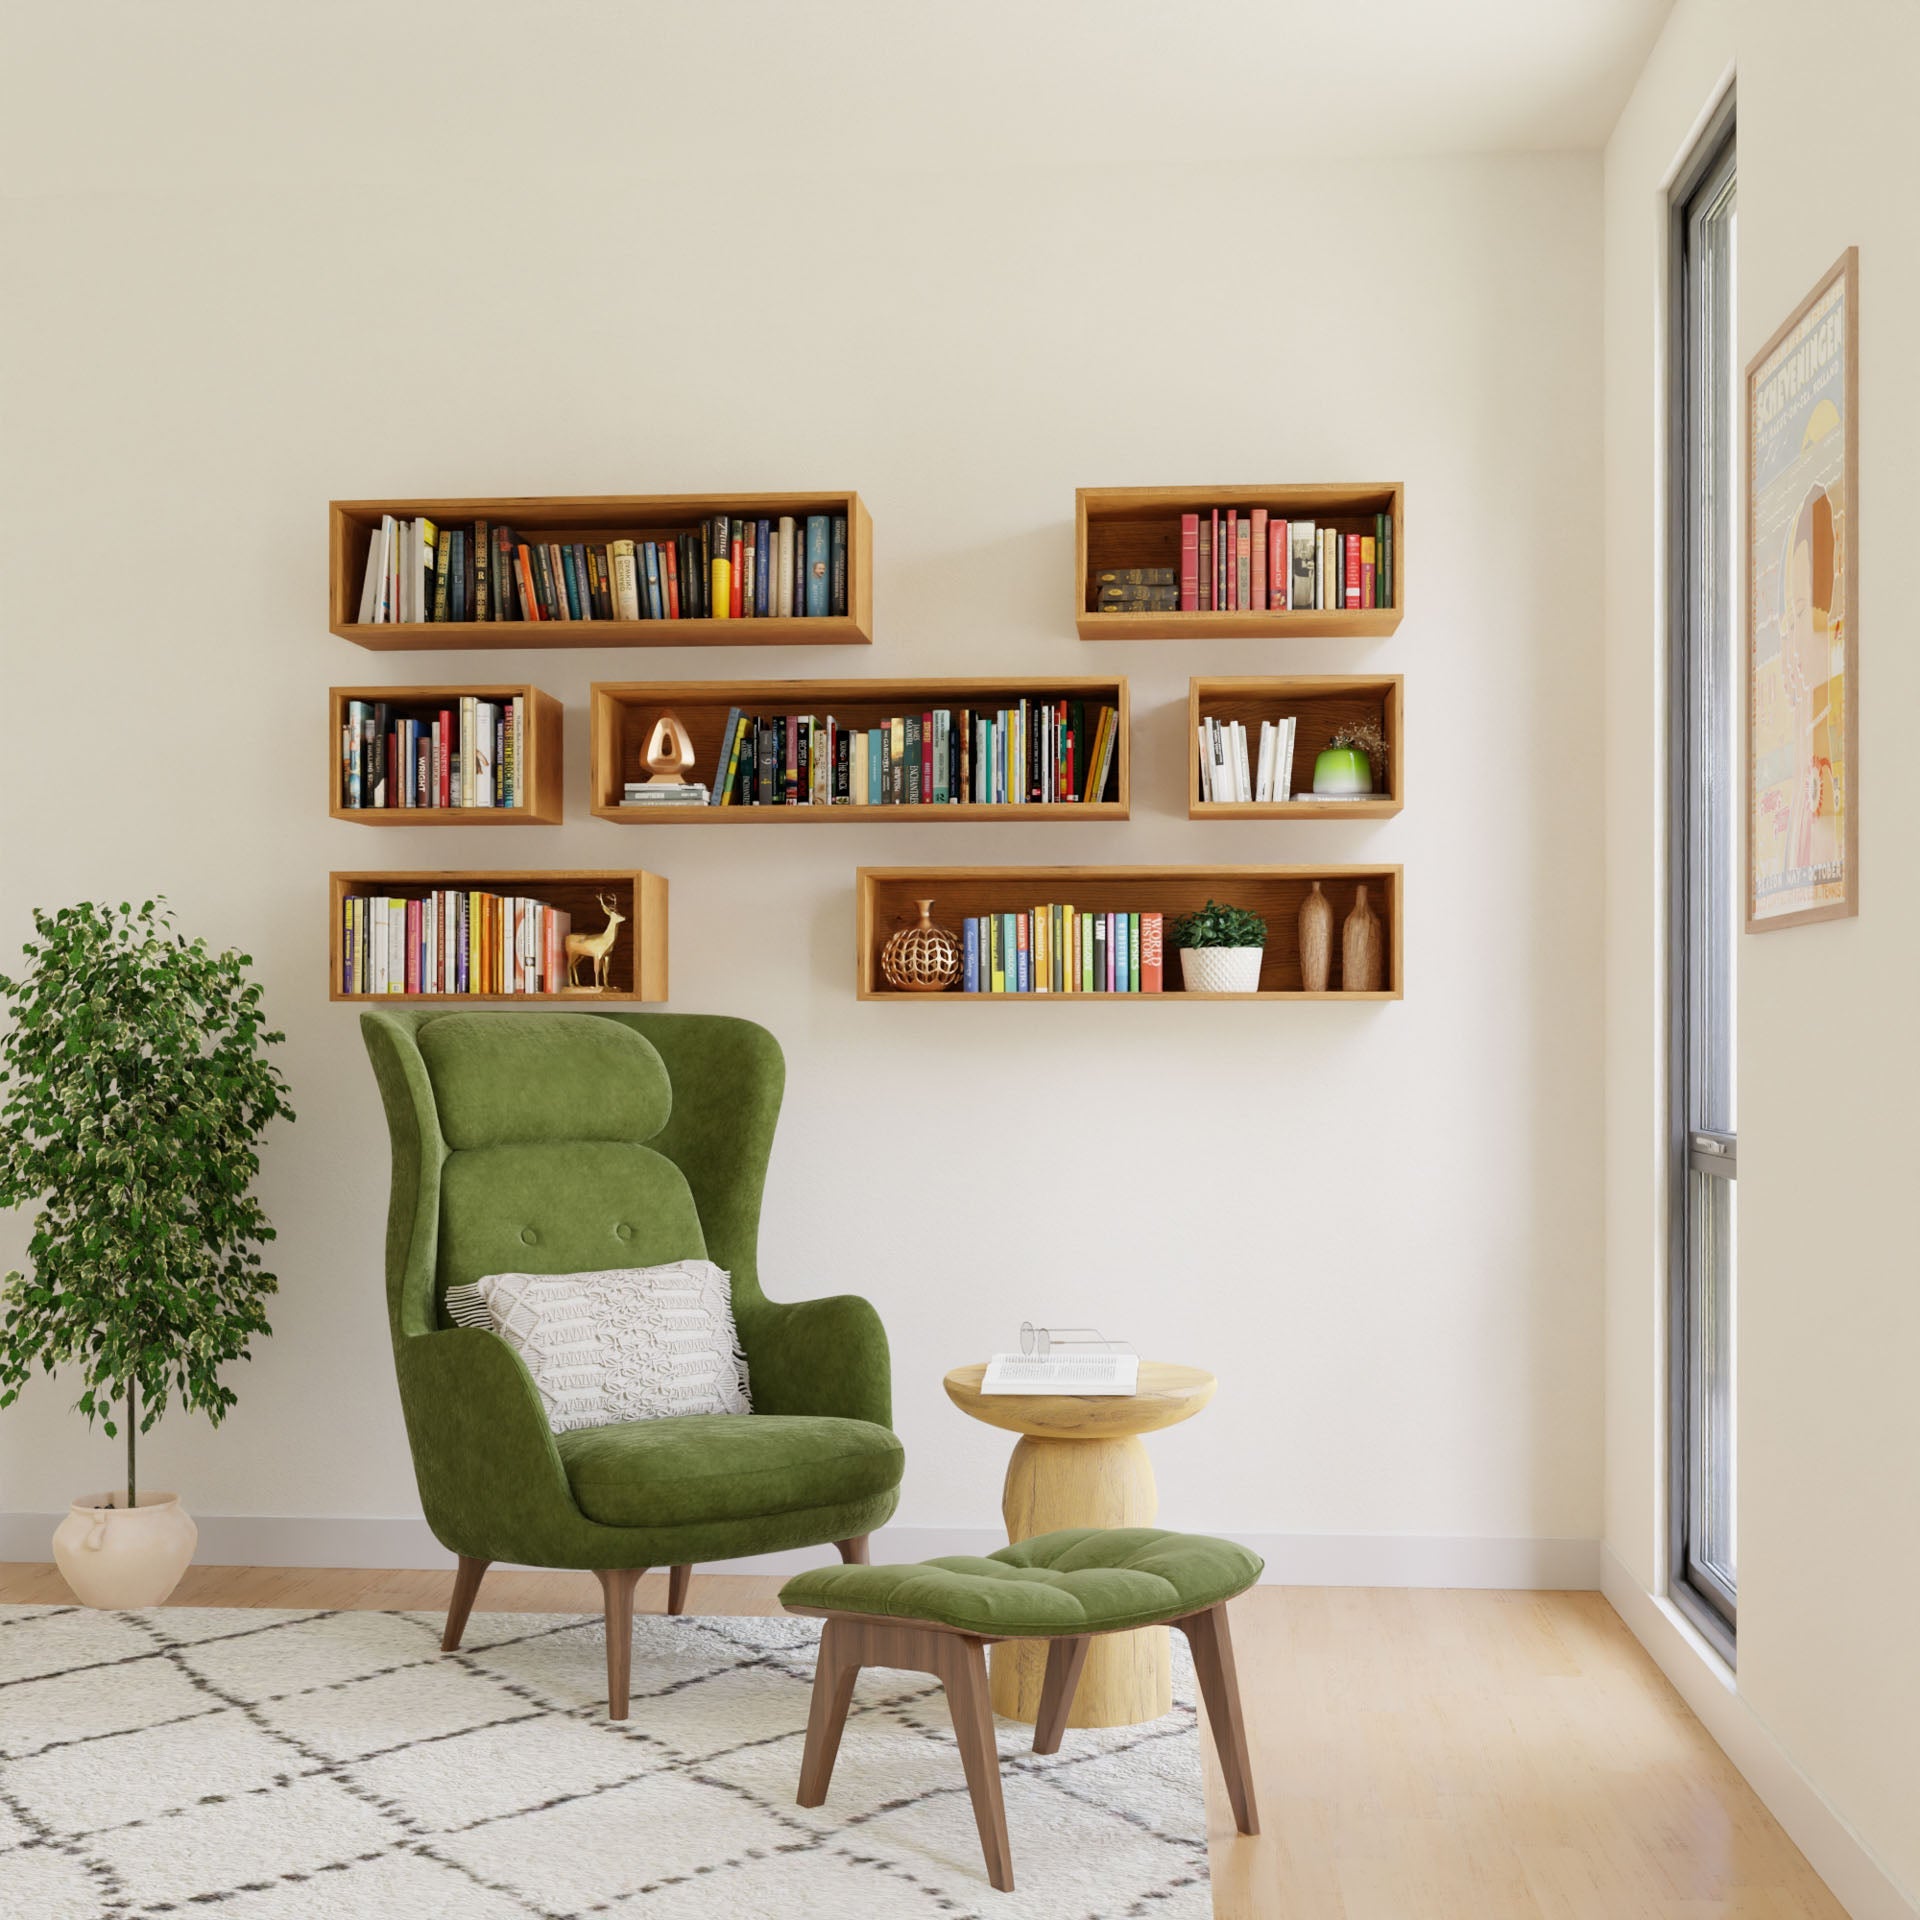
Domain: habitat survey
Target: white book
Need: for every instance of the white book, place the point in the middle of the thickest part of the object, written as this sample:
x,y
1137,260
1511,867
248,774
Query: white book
x,y
403,574
373,915
1217,748
463,791
1206,761
626,581
370,587
483,753
395,566
783,568
383,609
1243,774
1263,783
1063,1373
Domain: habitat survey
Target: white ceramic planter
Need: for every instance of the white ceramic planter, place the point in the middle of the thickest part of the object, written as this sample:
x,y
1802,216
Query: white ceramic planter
x,y
1221,969
124,1557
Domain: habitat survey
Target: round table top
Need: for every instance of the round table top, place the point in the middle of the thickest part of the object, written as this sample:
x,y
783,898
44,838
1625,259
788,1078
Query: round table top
x,y
1168,1394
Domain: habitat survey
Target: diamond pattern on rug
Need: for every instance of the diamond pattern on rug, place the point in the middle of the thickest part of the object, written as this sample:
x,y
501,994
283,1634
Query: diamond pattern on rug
x,y
282,1766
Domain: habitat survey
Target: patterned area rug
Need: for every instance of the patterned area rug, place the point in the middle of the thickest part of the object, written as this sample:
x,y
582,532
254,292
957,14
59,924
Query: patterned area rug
x,y
284,1766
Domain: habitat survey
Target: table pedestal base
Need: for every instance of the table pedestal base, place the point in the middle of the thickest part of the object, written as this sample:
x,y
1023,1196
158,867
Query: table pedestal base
x,y
1091,1482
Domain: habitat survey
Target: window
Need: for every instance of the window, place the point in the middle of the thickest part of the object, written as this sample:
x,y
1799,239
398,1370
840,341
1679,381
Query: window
x,y
1704,736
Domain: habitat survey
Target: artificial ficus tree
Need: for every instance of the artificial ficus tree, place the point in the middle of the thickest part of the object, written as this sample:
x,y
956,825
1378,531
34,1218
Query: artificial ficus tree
x,y
136,1086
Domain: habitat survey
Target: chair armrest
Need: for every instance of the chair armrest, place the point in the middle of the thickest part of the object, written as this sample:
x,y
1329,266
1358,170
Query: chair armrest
x,y
819,1356
491,1479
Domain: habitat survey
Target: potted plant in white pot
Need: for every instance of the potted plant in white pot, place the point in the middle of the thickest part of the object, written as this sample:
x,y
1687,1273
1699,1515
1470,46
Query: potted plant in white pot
x,y
136,1085
1220,949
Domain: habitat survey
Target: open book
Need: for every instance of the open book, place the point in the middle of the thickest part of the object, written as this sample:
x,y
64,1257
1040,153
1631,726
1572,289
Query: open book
x,y
1069,1373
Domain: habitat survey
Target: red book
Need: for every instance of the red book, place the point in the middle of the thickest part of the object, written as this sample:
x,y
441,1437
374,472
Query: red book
x,y
670,587
738,574
1189,563
1259,577
1151,946
1231,599
1351,542
443,774
1279,565
1219,599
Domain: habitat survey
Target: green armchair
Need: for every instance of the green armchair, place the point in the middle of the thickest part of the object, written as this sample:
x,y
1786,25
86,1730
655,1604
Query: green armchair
x,y
561,1143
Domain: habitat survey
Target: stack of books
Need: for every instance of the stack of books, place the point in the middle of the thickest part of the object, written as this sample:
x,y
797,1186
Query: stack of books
x,y
1228,773
783,567
679,793
1062,949
453,942
1034,753
1136,590
1246,560
469,756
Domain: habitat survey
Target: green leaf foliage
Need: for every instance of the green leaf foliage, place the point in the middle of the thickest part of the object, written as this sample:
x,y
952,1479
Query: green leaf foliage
x,y
1218,926
136,1086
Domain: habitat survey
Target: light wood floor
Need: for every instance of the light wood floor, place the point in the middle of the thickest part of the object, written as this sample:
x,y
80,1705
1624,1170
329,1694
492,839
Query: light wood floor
x,y
1418,1755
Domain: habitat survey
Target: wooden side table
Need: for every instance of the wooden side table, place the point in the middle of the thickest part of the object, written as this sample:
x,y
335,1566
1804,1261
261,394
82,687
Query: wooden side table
x,y
1079,1463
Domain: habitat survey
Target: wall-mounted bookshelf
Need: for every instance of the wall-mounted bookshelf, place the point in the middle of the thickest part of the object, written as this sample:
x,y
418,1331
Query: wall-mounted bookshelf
x,y
1320,705
624,714
1120,527
886,897
637,964
597,520
539,778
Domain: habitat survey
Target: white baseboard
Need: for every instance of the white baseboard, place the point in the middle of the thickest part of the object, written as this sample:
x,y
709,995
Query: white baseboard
x,y
1295,1560
1835,1852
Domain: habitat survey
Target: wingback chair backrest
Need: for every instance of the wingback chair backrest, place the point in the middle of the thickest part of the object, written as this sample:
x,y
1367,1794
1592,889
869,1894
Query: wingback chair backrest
x,y
547,1143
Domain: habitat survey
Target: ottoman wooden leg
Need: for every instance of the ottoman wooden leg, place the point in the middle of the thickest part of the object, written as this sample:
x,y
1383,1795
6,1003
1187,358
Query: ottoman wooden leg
x,y
964,1673
833,1676
1220,1687
678,1580
1065,1658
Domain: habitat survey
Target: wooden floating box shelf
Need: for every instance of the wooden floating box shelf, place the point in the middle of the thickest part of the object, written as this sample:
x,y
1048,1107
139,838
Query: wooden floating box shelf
x,y
597,518
637,966
1140,527
540,778
624,713
1321,703
886,897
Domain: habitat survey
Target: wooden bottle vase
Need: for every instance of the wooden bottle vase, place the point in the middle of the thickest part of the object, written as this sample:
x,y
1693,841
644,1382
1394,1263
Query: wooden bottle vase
x,y
1360,948
1316,940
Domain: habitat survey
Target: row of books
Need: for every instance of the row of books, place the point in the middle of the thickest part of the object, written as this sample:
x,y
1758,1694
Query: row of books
x,y
1229,772
1248,561
784,567
453,942
1035,753
472,756
1062,949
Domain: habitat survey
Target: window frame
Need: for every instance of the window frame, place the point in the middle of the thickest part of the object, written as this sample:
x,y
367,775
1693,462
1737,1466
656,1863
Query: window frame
x,y
1707,1602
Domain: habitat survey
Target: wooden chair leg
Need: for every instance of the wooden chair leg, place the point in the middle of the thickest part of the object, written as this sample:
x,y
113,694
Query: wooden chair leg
x,y
854,1551
833,1676
677,1582
963,1671
466,1584
618,1583
1220,1688
1065,1658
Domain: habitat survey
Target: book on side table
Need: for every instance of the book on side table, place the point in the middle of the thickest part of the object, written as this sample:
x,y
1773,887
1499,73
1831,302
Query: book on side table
x,y
1069,1373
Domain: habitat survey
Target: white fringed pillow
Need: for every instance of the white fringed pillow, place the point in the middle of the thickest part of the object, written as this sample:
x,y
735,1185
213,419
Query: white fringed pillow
x,y
626,1343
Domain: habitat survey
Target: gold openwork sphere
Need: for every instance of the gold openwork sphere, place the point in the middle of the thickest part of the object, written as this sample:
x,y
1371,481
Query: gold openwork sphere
x,y
922,958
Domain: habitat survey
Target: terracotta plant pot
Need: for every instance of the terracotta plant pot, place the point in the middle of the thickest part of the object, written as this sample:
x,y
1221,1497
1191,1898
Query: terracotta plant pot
x,y
1221,969
115,1556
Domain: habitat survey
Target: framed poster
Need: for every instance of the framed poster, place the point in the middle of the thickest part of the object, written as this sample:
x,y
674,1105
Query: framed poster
x,y
1803,564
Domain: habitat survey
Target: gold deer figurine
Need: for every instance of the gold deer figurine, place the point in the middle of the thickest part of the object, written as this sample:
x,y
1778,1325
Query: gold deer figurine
x,y
597,947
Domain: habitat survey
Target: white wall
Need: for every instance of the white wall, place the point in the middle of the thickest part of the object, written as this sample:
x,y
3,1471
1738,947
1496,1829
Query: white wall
x,y
253,287
1829,1315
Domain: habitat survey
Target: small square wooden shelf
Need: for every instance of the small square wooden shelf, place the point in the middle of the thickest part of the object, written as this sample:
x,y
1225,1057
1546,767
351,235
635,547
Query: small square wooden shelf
x,y
885,901
637,966
1321,703
540,778
597,518
624,713
1140,527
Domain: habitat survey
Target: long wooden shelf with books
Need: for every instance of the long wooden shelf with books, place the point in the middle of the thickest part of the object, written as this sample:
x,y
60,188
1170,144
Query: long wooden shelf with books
x,y
1203,563
628,570
463,936
1253,744
445,756
1073,919
841,750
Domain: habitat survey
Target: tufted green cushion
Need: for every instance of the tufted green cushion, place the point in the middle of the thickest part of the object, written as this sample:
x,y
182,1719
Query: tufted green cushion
x,y
725,1466
1081,1580
503,1078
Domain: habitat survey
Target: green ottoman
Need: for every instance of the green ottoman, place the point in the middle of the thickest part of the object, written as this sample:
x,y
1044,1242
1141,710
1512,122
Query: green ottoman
x,y
940,1616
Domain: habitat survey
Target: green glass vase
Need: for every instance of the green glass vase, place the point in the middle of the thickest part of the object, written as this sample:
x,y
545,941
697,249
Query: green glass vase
x,y
1342,770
